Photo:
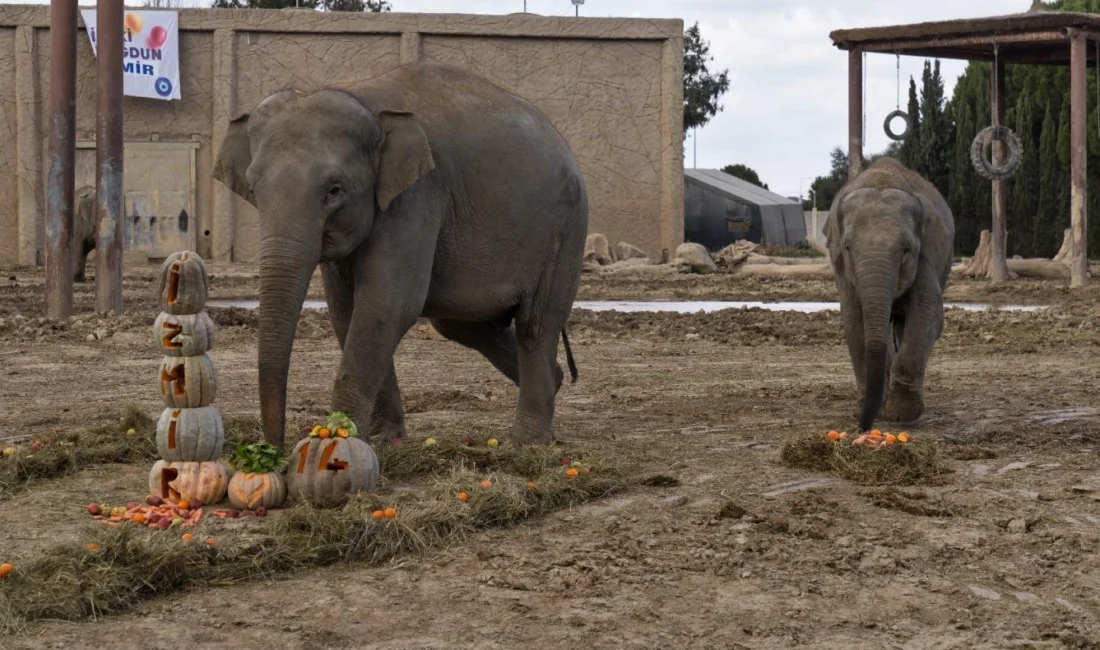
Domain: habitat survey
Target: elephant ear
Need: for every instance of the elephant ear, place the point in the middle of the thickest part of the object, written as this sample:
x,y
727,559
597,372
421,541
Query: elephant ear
x,y
233,159
406,155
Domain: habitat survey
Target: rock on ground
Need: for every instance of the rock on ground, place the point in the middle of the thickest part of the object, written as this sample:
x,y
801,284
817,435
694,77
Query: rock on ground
x,y
597,250
624,251
697,257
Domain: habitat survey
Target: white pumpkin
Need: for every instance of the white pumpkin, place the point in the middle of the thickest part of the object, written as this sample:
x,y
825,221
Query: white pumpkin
x,y
182,283
190,435
188,382
184,335
267,489
326,471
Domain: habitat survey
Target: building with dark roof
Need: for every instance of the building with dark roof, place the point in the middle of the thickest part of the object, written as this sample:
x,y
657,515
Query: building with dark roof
x,y
720,209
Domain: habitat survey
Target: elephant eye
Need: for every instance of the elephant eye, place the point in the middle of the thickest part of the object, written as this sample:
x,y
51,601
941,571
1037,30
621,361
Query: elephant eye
x,y
908,249
334,192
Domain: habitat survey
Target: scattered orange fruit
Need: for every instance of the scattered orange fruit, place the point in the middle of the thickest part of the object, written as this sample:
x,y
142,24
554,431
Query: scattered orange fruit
x,y
531,485
572,472
323,433
876,434
139,518
486,483
378,515
833,435
903,437
184,505
210,541
462,496
5,569
343,433
891,438
391,513
93,547
186,537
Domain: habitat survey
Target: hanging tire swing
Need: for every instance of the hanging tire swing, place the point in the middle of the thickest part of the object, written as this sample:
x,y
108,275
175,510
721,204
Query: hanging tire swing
x,y
897,137
996,133
985,168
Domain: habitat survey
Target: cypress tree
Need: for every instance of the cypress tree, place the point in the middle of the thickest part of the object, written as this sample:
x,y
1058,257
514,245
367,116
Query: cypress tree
x,y
1025,182
908,152
1046,215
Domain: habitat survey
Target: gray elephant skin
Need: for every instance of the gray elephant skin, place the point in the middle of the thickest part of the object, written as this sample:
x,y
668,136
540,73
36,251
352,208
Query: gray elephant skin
x,y
83,229
891,238
424,192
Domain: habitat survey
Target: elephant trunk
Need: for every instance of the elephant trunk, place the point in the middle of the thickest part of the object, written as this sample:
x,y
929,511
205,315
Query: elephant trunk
x,y
877,280
286,266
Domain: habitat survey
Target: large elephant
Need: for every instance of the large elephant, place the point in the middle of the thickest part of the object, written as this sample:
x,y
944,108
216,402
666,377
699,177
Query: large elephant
x,y
83,229
891,236
426,191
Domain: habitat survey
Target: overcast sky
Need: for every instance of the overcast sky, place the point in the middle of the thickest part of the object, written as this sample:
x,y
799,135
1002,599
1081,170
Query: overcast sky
x,y
787,103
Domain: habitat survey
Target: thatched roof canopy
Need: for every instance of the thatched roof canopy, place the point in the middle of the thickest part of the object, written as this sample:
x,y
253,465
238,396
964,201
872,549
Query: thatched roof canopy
x,y
1036,37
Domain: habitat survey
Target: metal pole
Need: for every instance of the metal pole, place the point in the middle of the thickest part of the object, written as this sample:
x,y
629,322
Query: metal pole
x,y
855,113
61,159
108,268
1078,65
695,148
1000,188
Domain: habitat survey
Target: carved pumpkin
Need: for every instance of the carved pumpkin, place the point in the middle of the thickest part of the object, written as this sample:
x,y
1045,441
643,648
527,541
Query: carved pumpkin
x,y
190,435
182,284
188,382
326,471
184,335
267,489
176,482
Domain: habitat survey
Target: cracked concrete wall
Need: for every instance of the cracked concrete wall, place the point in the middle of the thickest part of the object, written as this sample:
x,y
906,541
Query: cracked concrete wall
x,y
612,86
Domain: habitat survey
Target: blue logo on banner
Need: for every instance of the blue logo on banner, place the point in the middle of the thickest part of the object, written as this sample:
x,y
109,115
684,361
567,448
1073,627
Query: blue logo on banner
x,y
163,86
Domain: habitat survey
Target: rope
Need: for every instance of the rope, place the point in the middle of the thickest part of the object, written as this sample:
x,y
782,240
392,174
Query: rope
x,y
897,104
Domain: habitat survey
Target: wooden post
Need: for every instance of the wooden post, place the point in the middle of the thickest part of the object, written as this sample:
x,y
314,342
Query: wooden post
x,y
108,258
1000,188
855,112
1078,68
61,159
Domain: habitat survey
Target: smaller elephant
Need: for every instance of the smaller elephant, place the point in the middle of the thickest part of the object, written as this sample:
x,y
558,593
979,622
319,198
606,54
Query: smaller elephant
x,y
890,236
83,229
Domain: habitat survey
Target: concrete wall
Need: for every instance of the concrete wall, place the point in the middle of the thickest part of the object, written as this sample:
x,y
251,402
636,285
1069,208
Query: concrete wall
x,y
612,86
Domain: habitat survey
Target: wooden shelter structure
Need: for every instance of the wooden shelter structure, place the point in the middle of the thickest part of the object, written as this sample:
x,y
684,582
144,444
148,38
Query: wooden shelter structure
x,y
1036,37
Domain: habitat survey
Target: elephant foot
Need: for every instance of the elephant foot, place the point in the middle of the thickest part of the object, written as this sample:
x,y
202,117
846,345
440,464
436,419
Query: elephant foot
x,y
388,431
903,406
525,434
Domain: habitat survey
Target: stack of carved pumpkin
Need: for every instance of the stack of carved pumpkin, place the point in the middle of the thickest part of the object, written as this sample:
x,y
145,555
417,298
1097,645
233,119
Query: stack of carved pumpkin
x,y
331,464
190,434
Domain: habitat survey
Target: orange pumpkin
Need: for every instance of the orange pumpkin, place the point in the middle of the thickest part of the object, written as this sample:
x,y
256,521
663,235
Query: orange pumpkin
x,y
184,335
182,283
183,481
190,434
248,490
326,471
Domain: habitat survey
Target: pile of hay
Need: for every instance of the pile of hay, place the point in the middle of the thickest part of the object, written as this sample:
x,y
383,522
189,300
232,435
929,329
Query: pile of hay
x,y
915,463
64,452
131,564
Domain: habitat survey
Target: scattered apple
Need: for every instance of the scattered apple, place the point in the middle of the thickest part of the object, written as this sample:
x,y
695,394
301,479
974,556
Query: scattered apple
x,y
211,542
492,442
178,521
261,511
233,514
131,433
94,509
195,504
164,524
430,442
154,518
185,513
8,452
467,441
154,500
566,460
36,445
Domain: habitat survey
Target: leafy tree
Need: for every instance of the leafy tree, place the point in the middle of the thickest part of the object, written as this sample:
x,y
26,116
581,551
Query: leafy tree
x,y
907,152
935,133
702,88
1047,211
745,173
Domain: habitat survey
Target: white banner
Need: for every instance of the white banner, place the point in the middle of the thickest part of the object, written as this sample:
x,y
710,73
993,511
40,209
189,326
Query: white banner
x,y
150,52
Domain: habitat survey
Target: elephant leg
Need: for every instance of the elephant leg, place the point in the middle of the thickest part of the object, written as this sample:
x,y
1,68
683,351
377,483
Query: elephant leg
x,y
495,341
80,260
388,416
922,327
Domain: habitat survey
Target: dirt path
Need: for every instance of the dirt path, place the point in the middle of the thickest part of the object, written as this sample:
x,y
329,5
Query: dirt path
x,y
1006,554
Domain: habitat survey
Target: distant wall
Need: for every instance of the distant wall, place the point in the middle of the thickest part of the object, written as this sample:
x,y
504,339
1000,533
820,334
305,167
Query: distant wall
x,y
612,86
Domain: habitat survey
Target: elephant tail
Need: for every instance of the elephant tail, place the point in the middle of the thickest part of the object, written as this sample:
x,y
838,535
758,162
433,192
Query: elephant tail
x,y
569,355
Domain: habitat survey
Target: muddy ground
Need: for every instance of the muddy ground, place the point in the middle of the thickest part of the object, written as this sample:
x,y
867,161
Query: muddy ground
x,y
1004,554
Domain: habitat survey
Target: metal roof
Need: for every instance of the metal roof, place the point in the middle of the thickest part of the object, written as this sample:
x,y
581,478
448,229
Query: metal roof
x,y
735,187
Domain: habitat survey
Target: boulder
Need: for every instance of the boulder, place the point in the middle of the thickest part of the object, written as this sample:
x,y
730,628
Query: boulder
x,y
696,257
597,250
735,254
624,251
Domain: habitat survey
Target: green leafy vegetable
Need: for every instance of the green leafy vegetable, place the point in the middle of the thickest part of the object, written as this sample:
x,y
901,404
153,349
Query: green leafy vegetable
x,y
257,458
339,420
